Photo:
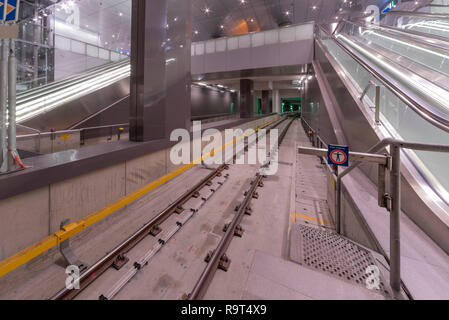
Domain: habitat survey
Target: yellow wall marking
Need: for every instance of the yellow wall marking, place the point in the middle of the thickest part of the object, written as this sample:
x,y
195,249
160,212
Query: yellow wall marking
x,y
65,136
305,217
332,180
73,228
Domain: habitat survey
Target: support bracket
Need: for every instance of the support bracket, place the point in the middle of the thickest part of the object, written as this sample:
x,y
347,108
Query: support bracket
x,y
68,254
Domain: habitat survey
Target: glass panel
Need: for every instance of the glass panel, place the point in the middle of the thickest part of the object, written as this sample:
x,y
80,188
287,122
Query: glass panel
x,y
78,47
287,34
199,49
258,39
92,51
220,45
304,32
103,54
115,56
401,121
233,43
210,46
271,37
244,41
437,60
68,38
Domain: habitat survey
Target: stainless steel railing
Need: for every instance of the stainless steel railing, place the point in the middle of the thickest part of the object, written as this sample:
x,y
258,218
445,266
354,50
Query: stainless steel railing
x,y
411,99
433,182
101,131
391,201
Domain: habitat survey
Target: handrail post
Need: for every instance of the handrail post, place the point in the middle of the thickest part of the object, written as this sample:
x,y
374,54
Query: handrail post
x,y
338,205
3,105
395,240
377,113
12,78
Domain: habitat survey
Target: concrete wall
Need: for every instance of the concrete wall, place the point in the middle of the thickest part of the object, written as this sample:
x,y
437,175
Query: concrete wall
x,y
316,114
68,63
206,101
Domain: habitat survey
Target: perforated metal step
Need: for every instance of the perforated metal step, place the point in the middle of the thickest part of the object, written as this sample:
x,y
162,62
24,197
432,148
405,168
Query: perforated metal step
x,y
333,254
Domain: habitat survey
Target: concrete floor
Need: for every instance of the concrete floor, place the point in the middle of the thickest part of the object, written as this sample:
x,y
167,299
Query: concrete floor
x,y
260,265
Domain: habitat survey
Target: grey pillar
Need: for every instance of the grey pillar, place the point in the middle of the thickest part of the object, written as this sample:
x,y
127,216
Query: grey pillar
x,y
265,102
160,68
3,104
246,98
276,101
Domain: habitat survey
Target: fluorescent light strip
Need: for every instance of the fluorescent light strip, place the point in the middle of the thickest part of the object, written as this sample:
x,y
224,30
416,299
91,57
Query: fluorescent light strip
x,y
30,109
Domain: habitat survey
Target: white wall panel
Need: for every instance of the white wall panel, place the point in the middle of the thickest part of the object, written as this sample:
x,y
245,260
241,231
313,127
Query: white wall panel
x,y
281,47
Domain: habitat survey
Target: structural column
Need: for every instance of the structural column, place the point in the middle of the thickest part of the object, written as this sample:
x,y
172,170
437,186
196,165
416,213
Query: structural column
x,y
3,105
276,101
246,98
160,68
265,102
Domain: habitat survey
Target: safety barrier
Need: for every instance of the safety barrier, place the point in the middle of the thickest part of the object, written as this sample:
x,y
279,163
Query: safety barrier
x,y
391,201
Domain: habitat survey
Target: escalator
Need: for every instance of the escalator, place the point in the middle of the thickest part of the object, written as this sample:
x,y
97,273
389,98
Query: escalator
x,y
67,103
412,71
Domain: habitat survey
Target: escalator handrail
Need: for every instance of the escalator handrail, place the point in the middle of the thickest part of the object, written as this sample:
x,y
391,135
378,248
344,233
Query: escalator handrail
x,y
418,14
32,93
417,37
421,110
50,89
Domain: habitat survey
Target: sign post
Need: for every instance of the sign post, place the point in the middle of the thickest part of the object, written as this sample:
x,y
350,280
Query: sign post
x,y
9,14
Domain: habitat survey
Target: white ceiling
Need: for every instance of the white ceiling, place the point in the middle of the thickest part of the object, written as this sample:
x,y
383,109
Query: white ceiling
x,y
112,18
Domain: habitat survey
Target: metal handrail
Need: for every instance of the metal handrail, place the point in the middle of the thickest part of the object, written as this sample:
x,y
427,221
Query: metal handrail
x,y
73,78
123,125
421,110
418,14
390,201
395,197
58,85
424,39
316,139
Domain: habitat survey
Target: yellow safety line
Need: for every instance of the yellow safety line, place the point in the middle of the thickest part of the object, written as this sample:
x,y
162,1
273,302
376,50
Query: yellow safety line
x,y
36,249
305,217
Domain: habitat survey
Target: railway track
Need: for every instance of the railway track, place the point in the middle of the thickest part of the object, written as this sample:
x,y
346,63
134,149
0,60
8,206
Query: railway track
x,y
117,258
218,259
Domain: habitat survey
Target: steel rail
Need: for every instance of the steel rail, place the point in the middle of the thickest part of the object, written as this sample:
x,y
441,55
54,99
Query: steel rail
x,y
206,277
421,110
119,252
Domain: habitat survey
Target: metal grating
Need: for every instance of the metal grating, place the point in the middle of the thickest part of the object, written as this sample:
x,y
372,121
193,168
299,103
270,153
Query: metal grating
x,y
331,253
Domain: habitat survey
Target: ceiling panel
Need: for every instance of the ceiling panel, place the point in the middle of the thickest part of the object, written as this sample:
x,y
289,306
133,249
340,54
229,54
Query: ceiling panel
x,y
212,18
